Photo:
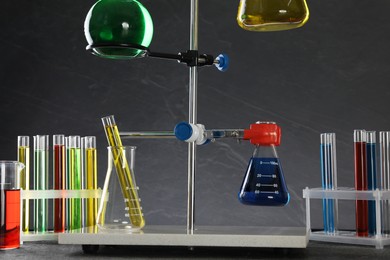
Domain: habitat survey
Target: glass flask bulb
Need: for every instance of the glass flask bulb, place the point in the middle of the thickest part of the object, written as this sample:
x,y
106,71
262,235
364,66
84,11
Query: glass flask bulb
x,y
116,22
272,15
264,183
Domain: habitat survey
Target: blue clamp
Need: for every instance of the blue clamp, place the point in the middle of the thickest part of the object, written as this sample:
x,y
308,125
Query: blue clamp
x,y
222,62
183,131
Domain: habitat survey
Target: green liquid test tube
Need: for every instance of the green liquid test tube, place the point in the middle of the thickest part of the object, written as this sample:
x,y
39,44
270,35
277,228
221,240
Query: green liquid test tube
x,y
74,166
41,175
24,157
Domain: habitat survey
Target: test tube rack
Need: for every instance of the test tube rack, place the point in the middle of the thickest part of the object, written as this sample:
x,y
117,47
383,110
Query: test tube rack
x,y
348,237
48,195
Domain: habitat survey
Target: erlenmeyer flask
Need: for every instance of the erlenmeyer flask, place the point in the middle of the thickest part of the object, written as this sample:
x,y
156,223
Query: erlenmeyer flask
x,y
264,183
120,208
272,15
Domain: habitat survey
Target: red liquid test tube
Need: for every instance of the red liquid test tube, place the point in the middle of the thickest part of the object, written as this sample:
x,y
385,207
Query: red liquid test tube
x,y
360,156
59,181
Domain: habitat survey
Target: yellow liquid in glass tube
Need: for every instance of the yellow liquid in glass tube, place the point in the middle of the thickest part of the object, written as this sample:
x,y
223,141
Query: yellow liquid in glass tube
x,y
91,180
125,178
24,157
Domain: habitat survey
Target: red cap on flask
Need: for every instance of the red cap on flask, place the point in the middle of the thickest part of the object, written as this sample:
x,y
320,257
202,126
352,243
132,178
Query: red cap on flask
x,y
263,133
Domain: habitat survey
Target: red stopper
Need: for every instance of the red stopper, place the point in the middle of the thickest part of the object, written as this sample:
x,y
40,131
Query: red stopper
x,y
263,133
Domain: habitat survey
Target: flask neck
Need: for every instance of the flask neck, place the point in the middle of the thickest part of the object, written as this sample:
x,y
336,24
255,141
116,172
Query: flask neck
x,y
268,151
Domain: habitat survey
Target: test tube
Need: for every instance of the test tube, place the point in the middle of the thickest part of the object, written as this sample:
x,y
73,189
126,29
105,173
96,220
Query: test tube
x,y
82,176
74,165
371,181
91,178
41,175
125,176
24,157
329,180
384,140
67,183
59,162
360,159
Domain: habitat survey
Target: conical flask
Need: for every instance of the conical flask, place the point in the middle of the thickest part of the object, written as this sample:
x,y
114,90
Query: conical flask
x,y
264,183
120,208
272,15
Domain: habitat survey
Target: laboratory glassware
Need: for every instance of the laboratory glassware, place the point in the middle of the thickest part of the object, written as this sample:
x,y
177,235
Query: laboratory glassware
x,y
384,141
371,181
117,210
41,177
361,183
10,204
125,21
82,178
329,180
90,178
59,162
264,183
24,157
124,173
74,166
272,15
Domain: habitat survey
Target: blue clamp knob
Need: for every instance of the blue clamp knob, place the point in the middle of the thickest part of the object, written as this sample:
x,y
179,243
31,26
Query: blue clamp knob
x,y
183,131
222,62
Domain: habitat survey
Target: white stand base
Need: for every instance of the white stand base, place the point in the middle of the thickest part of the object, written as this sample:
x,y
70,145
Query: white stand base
x,y
213,236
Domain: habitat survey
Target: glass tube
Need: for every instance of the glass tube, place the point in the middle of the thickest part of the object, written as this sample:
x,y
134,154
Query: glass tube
x,y
82,176
329,180
24,157
41,175
67,184
360,159
59,181
124,174
91,178
384,140
74,164
371,181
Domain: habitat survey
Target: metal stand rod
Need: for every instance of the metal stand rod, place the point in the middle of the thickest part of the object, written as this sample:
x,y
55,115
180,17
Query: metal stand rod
x,y
209,134
193,87
148,134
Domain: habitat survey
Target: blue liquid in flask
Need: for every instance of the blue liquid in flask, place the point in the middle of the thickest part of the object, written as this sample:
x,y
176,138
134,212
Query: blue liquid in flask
x,y
264,184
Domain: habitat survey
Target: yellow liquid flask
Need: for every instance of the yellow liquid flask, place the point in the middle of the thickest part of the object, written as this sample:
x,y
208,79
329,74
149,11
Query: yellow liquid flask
x,y
272,15
120,207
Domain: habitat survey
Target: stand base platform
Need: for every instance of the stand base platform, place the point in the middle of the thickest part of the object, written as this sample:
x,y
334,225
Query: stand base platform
x,y
207,236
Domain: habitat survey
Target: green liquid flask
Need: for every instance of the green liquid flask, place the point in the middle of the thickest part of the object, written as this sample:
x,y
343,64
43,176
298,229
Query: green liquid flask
x,y
111,24
272,15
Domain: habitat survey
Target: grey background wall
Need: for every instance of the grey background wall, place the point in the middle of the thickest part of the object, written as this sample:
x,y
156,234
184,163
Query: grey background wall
x,y
332,75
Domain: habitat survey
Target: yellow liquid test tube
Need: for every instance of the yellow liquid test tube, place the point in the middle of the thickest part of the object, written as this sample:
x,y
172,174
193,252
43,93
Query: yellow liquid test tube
x,y
24,157
90,178
124,173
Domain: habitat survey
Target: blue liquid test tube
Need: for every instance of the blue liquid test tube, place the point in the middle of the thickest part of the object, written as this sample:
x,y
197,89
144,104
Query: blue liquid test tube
x,y
371,174
329,180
